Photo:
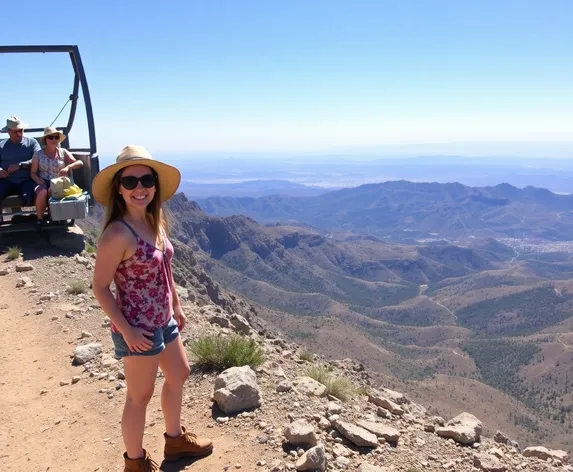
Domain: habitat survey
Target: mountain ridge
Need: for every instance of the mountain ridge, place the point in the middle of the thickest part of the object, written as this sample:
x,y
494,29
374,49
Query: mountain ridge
x,y
403,210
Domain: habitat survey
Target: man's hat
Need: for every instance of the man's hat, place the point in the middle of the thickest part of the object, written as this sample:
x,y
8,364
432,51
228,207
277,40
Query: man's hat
x,y
13,122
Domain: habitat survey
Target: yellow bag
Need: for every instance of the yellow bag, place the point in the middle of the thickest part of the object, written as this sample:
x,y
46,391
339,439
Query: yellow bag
x,y
73,191
61,187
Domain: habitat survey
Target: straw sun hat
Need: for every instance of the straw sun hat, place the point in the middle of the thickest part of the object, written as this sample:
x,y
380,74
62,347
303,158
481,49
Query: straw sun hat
x,y
169,177
48,131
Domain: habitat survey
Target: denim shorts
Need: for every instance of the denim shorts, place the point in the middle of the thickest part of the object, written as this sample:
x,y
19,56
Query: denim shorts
x,y
160,338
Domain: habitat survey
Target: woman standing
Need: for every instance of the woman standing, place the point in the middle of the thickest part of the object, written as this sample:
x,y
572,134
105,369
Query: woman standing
x,y
50,162
146,315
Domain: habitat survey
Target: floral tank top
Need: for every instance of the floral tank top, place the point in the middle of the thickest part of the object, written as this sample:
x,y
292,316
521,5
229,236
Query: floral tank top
x,y
143,285
49,168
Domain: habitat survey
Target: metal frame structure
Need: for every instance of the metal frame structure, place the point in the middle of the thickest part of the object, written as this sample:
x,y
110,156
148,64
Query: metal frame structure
x,y
79,80
88,155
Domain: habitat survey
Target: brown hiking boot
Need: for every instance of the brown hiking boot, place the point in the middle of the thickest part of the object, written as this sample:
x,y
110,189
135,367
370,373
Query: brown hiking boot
x,y
186,445
143,464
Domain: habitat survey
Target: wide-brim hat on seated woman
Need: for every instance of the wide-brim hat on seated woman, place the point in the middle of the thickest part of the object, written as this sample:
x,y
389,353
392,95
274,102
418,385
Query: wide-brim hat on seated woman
x,y
169,177
49,131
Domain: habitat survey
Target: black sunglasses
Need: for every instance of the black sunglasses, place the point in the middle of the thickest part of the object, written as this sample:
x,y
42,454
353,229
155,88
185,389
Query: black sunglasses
x,y
53,136
130,182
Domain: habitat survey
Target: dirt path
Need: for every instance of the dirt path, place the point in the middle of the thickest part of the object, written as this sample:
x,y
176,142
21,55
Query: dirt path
x,y
49,427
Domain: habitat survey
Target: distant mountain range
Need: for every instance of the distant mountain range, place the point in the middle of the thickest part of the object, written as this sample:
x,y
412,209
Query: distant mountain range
x,y
408,211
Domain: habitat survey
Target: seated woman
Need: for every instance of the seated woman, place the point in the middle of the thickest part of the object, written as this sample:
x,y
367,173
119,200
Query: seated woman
x,y
50,162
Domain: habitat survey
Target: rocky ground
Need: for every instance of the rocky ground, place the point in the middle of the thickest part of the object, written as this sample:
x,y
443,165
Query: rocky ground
x,y
62,395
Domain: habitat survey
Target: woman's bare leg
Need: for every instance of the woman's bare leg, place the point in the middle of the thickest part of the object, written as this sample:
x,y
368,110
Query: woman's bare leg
x,y
140,375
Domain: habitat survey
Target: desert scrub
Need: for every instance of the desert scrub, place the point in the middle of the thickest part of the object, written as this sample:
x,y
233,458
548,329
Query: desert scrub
x,y
13,252
339,387
77,287
306,356
221,352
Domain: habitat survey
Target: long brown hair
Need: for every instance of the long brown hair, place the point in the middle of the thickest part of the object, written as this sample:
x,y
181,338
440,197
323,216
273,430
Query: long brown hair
x,y
116,208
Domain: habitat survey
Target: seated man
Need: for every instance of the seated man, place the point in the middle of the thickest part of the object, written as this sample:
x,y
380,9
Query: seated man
x,y
15,157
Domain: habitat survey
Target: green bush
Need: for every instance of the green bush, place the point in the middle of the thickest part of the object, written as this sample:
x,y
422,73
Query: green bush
x,y
306,356
220,353
77,287
90,249
320,373
13,252
339,387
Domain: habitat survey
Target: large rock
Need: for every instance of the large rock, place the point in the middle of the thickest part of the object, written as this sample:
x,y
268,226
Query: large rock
x,y
365,467
464,429
313,459
355,434
220,320
86,352
488,463
300,433
379,399
240,324
236,390
396,397
309,386
381,430
545,454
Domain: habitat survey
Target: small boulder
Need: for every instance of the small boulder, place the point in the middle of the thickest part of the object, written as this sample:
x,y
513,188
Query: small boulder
x,y
390,434
313,459
5,271
364,467
355,434
334,408
300,433
24,267
240,324
379,399
284,386
488,463
87,352
47,297
464,429
277,466
545,454
108,360
220,320
24,282
396,397
309,386
236,390
501,438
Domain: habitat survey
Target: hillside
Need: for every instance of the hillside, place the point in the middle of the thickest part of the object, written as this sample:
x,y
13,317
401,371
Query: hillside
x,y
423,315
61,382
402,210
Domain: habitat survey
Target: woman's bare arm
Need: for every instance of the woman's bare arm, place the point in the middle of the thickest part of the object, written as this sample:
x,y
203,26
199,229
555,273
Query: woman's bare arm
x,y
110,252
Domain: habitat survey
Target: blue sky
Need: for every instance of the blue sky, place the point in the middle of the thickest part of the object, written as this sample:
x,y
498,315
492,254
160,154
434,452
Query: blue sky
x,y
300,75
